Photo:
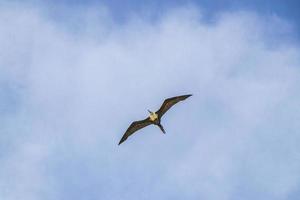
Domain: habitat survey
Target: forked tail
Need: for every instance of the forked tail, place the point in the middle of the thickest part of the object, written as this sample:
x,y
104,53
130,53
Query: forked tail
x,y
161,128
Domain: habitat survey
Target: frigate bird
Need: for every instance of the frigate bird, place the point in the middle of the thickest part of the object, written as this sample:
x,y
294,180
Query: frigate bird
x,y
154,117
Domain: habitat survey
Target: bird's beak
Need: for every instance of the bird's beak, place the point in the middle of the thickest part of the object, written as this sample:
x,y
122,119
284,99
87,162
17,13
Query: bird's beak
x,y
149,111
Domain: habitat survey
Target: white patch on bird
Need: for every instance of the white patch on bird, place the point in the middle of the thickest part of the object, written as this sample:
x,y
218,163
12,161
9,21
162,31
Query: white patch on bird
x,y
153,116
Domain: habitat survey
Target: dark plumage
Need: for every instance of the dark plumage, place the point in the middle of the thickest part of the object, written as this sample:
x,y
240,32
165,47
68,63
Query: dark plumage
x,y
154,118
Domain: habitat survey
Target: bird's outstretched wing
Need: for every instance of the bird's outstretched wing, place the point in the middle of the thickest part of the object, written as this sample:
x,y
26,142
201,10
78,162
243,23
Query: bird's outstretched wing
x,y
168,103
137,125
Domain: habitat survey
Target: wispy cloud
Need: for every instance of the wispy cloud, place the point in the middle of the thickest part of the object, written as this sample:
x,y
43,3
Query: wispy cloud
x,y
68,91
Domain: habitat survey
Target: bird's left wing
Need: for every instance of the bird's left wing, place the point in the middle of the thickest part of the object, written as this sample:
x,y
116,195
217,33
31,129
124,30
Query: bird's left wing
x,y
137,125
168,103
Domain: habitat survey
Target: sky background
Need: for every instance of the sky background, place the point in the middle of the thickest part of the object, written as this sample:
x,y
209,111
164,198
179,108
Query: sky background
x,y
75,74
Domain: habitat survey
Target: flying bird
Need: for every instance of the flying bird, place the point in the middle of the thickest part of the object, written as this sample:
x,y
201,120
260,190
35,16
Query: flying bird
x,y
154,117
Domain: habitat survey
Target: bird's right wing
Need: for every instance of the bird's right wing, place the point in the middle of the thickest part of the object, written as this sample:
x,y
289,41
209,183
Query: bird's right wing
x,y
137,125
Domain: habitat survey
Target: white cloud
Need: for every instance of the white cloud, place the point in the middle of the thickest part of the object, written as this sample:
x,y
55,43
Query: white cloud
x,y
76,92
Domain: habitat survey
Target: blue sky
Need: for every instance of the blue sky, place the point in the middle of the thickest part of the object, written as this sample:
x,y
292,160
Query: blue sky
x,y
75,74
288,9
